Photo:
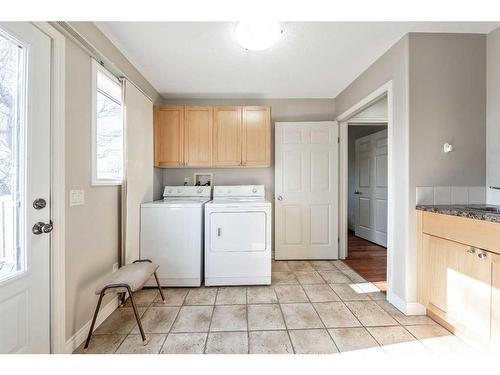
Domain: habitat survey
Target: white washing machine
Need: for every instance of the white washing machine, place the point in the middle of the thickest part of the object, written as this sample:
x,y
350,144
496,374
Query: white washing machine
x,y
238,236
172,234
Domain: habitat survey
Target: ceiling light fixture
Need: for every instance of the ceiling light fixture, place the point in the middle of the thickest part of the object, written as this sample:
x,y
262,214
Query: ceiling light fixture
x,y
257,36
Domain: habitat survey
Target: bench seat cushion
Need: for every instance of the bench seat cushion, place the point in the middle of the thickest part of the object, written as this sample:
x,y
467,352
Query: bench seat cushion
x,y
134,275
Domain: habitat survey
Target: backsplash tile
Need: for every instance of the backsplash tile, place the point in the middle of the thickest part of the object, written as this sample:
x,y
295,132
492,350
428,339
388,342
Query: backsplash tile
x,y
442,194
429,195
459,195
425,195
477,194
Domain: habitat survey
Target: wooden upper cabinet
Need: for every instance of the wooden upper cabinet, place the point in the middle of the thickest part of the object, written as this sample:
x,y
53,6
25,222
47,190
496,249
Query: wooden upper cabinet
x,y
198,124
227,136
256,140
206,136
169,128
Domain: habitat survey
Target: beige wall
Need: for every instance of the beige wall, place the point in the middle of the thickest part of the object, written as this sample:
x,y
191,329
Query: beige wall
x,y
281,110
447,104
93,229
439,96
392,66
493,115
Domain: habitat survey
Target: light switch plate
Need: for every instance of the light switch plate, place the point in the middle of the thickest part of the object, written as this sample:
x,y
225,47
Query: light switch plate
x,y
76,197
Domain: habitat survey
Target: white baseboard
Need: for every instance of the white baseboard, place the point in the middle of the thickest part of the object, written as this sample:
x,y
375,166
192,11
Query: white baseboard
x,y
415,308
407,308
79,337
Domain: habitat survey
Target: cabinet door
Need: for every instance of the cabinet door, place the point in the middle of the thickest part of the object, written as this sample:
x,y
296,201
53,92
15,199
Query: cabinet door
x,y
256,149
471,302
227,136
198,136
495,304
169,126
459,284
435,278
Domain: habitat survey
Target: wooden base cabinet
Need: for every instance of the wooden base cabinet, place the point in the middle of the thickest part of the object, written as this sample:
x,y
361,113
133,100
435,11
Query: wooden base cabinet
x,y
457,282
495,305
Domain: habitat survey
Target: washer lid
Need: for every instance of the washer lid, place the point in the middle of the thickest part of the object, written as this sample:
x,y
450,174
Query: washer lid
x,y
177,202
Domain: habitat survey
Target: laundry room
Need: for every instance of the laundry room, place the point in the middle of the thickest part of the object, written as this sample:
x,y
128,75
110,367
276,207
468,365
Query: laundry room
x,y
249,187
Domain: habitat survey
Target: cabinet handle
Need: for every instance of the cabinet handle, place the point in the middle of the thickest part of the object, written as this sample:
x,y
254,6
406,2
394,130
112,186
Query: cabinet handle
x,y
482,255
219,232
471,251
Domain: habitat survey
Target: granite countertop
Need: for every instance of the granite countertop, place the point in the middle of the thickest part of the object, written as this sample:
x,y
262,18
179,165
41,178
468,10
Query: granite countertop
x,y
467,211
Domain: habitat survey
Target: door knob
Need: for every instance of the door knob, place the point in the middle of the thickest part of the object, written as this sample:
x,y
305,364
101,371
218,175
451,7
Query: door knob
x,y
280,198
42,227
357,192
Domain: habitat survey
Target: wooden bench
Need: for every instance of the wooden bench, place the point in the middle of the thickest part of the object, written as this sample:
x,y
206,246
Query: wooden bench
x,y
129,278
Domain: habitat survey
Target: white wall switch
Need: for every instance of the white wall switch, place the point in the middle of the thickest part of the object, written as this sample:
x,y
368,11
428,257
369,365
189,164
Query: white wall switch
x,y
115,267
76,197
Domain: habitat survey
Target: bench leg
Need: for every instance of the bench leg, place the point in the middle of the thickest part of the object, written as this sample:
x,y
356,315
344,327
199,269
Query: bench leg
x,y
93,320
159,288
136,313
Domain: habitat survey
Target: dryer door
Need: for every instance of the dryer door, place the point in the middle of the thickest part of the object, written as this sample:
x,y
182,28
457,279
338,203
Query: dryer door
x,y
238,231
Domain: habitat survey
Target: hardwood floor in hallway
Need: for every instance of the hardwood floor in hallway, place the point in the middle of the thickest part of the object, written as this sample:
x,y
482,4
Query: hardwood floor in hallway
x,y
368,259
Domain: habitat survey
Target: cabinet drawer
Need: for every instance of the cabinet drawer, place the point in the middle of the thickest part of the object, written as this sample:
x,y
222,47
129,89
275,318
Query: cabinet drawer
x,y
477,233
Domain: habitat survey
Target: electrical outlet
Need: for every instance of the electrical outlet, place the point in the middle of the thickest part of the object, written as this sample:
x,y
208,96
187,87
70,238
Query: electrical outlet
x,y
186,180
115,267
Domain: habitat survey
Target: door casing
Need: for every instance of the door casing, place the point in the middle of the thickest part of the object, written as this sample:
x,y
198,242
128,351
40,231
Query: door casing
x,y
58,190
379,93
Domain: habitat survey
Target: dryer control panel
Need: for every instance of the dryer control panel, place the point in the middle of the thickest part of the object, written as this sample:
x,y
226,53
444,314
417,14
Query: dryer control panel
x,y
239,191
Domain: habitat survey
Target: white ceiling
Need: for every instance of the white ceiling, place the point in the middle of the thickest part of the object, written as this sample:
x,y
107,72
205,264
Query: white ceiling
x,y
311,60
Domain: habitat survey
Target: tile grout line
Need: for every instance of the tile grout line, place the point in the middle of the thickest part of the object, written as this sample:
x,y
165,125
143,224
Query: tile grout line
x,y
210,323
248,328
362,325
321,320
130,332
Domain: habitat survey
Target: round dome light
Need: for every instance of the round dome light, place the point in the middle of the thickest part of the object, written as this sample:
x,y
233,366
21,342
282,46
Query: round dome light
x,y
257,36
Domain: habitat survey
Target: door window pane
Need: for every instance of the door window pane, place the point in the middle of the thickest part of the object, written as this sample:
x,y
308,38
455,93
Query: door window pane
x,y
12,259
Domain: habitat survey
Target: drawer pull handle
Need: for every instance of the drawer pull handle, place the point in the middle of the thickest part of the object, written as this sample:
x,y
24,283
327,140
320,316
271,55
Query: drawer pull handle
x,y
219,232
471,251
482,255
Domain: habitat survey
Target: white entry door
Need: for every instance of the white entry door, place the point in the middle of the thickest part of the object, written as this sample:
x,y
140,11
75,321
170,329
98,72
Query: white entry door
x,y
371,188
24,189
306,190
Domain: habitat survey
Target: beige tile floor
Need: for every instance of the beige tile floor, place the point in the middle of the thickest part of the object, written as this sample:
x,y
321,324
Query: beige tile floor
x,y
317,307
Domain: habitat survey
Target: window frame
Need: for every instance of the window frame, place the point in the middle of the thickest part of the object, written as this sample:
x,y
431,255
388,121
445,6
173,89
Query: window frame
x,y
97,67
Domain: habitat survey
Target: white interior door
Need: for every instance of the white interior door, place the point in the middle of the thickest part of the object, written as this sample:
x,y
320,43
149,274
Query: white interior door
x,y
306,190
371,188
24,179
